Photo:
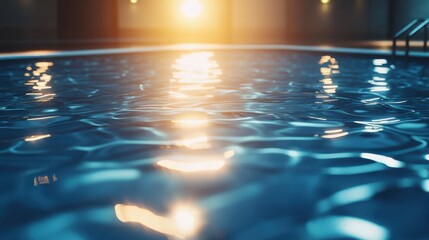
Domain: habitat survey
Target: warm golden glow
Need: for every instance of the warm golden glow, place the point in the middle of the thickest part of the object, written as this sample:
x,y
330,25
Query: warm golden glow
x,y
192,167
194,81
194,76
183,223
36,137
229,154
192,8
186,219
39,79
329,68
325,71
133,1
336,133
324,1
197,142
191,121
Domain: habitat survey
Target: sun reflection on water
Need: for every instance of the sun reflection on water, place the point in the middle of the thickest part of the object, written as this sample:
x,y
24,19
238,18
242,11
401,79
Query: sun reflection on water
x,y
36,137
329,67
39,80
336,133
184,222
192,120
192,166
195,77
194,142
194,74
192,88
378,81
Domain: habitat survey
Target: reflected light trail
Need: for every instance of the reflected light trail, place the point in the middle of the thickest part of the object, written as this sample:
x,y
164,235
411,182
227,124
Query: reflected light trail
x,y
381,70
337,133
36,137
377,124
40,118
195,164
183,223
192,167
379,83
329,68
194,75
191,121
194,80
194,143
379,62
40,80
388,161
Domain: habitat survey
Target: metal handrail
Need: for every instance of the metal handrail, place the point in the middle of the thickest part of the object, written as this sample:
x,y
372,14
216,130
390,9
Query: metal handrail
x,y
413,32
402,32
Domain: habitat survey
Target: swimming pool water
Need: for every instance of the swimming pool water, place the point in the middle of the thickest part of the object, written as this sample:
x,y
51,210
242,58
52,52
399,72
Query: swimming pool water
x,y
214,145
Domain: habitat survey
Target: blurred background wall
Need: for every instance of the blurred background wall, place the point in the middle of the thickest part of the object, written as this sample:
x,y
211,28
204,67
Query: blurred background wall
x,y
162,21
404,11
28,19
86,19
238,21
259,21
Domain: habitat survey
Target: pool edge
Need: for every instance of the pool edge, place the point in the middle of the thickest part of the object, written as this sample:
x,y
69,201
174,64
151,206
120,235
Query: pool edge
x,y
184,47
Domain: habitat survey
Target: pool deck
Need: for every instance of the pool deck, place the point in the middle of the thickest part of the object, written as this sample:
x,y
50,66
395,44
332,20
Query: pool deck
x,y
190,47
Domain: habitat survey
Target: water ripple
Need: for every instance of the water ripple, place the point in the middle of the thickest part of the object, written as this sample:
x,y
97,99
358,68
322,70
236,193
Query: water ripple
x,y
259,143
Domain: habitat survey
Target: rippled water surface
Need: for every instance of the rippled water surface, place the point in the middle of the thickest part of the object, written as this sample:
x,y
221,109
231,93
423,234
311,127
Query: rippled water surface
x,y
214,145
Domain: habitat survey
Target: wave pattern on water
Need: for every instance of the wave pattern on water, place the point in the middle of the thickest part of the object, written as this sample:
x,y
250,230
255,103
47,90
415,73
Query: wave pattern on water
x,y
204,145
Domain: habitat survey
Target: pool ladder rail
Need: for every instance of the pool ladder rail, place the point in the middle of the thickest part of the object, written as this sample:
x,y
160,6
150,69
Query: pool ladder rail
x,y
410,30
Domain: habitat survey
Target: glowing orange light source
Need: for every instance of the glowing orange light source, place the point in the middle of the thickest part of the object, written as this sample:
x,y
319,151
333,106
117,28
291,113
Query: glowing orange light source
x,y
133,1
191,8
324,1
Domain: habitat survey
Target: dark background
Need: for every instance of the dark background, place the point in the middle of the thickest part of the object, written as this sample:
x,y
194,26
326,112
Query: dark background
x,y
62,24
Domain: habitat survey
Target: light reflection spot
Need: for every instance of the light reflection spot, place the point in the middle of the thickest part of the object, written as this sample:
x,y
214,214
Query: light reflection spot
x,y
192,167
388,161
36,137
184,222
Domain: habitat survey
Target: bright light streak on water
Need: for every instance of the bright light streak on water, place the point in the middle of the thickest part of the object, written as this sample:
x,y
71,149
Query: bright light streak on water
x,y
381,70
183,223
388,161
269,144
336,133
192,167
36,137
379,62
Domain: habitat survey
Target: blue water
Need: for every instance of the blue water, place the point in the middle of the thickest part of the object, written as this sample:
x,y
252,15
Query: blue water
x,y
214,145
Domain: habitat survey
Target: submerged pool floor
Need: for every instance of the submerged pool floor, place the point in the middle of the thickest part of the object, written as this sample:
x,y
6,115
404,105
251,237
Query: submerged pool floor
x,y
214,145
